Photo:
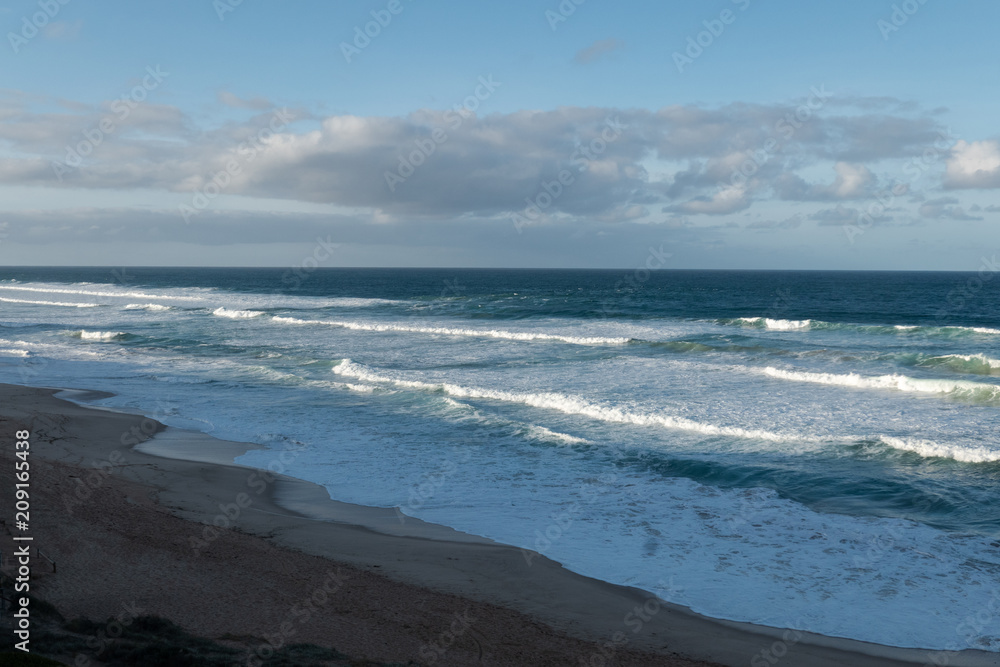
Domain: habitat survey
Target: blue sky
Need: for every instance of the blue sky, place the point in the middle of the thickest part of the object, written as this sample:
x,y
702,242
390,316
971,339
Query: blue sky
x,y
239,134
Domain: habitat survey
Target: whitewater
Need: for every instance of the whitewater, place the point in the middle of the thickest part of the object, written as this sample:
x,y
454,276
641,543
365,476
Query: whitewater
x,y
826,461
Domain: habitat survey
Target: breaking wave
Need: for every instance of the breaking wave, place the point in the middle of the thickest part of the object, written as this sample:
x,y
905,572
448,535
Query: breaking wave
x,y
970,391
445,331
237,314
569,405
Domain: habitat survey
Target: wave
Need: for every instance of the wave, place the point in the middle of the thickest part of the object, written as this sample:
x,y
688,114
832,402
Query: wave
x,y
147,306
362,388
928,449
98,335
15,352
971,391
521,429
52,303
978,364
536,432
237,314
579,406
56,351
569,405
775,325
139,295
361,302
875,329
480,333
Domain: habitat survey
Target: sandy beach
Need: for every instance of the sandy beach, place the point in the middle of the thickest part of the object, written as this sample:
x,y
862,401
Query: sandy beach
x,y
138,517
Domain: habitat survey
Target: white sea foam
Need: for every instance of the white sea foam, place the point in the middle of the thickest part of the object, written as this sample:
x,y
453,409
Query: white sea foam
x,y
776,325
957,388
14,352
49,349
139,295
51,303
928,449
147,306
445,331
813,325
537,432
98,335
569,405
363,388
530,431
237,314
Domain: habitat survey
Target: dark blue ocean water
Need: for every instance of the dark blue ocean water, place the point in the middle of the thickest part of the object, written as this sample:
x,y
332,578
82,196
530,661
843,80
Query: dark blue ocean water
x,y
760,446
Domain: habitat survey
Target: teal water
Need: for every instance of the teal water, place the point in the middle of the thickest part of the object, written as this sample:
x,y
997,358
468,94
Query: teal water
x,y
794,448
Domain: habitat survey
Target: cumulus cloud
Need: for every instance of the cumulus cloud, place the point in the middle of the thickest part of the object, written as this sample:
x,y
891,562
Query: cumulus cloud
x,y
868,137
852,182
945,207
727,200
974,165
598,49
578,162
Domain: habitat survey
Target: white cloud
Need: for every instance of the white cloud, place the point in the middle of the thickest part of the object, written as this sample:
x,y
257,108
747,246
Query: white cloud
x,y
974,165
727,200
853,181
450,164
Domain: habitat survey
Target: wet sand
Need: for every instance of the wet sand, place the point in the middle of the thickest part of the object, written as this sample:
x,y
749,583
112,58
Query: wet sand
x,y
162,520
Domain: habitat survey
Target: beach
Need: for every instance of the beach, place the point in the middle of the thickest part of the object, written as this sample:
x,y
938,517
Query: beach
x,y
216,549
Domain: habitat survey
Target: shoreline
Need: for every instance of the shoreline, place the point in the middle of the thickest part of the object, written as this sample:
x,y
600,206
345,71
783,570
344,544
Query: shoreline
x,y
296,515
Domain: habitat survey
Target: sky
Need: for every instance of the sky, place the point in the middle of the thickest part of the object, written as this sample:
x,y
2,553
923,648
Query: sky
x,y
722,134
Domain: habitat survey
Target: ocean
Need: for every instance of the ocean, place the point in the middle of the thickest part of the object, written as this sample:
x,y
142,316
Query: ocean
x,y
815,450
